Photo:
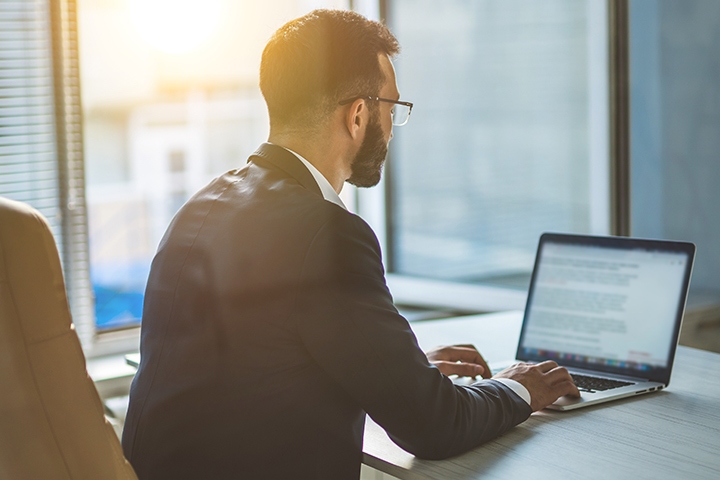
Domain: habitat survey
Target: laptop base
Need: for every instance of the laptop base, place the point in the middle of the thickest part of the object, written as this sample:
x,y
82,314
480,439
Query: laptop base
x,y
564,404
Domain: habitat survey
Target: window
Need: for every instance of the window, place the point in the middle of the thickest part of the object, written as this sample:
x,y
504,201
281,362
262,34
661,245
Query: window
x,y
170,101
157,123
508,139
512,135
675,113
509,136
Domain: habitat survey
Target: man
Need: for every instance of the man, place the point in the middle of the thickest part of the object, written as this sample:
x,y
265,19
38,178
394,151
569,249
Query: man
x,y
268,330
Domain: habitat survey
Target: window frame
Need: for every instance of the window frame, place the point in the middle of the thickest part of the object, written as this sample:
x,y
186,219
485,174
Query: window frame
x,y
69,149
75,251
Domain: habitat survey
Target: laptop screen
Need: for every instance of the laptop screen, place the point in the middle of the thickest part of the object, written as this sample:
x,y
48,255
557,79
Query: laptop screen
x,y
606,303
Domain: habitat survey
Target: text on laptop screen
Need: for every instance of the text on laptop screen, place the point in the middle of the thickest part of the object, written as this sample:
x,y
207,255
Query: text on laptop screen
x,y
605,306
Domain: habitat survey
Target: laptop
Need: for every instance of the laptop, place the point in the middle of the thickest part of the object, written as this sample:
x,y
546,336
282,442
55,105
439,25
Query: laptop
x,y
609,309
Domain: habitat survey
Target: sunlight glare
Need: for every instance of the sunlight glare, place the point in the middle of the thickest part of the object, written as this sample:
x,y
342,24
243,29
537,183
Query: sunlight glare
x,y
175,26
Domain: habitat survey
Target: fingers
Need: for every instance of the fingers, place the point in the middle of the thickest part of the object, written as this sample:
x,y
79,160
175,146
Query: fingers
x,y
546,366
568,387
486,369
486,373
469,354
558,374
561,381
545,381
459,368
463,354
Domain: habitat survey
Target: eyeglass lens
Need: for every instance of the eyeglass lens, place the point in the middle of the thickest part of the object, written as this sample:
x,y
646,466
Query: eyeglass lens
x,y
400,114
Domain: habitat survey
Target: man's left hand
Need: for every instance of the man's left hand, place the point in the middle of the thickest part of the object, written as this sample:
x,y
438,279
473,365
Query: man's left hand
x,y
461,360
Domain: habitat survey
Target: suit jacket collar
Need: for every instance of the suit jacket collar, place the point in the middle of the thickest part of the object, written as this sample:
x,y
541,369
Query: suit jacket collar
x,y
287,162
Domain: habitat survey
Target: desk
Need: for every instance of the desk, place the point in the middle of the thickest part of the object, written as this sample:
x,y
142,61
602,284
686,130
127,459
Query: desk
x,y
674,433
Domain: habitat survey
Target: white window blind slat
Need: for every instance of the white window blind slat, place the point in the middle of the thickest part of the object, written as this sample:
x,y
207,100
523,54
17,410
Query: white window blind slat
x,y
27,129
36,139
26,149
19,107
17,163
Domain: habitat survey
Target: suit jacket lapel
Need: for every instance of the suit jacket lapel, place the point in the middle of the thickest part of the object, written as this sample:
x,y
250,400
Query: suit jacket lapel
x,y
287,162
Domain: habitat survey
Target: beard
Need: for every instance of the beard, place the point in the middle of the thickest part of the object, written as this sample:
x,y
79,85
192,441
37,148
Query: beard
x,y
366,167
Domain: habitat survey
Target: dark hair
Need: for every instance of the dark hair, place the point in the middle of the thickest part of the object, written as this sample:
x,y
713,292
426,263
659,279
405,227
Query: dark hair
x,y
314,61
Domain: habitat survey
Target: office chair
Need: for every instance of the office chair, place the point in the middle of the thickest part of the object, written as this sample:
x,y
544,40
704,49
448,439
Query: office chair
x,y
52,423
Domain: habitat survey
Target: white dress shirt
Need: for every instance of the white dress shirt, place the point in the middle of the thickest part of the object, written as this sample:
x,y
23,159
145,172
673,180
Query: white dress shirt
x,y
516,387
331,195
327,190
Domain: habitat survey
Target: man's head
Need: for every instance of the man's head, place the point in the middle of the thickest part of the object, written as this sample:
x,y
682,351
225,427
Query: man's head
x,y
314,62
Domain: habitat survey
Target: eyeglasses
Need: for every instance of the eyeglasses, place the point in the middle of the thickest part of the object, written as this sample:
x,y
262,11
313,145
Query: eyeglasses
x,y
400,111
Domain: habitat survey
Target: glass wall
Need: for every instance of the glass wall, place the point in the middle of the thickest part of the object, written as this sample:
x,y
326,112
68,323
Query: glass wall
x,y
675,129
170,101
508,137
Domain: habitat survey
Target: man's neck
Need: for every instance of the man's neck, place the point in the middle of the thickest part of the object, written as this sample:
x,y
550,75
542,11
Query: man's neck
x,y
318,152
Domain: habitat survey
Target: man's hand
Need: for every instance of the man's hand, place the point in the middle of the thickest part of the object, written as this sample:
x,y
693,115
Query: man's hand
x,y
462,360
545,381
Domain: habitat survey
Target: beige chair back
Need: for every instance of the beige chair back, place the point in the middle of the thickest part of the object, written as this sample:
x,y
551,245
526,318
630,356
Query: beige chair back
x,y
52,424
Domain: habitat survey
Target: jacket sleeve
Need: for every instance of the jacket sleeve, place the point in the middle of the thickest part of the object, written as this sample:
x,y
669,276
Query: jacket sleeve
x,y
347,321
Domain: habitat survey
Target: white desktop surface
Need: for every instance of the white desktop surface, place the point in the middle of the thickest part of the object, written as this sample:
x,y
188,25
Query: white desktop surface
x,y
674,433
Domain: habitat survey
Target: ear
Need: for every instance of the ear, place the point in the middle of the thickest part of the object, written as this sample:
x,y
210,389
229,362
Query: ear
x,y
355,118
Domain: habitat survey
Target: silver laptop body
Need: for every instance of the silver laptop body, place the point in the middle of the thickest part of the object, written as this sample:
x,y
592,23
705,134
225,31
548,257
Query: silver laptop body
x,y
606,308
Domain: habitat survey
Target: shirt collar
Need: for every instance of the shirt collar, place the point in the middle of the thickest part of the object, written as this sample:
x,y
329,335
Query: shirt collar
x,y
328,192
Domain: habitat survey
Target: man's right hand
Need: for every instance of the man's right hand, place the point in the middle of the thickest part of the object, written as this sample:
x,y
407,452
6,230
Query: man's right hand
x,y
546,382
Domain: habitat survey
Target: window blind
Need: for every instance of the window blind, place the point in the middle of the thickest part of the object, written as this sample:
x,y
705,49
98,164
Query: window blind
x,y
41,134
28,158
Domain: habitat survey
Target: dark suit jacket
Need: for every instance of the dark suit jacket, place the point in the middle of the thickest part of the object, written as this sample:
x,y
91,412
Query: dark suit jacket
x,y
268,332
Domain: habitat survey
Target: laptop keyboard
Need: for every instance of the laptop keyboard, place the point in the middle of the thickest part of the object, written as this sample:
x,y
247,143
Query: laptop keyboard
x,y
594,384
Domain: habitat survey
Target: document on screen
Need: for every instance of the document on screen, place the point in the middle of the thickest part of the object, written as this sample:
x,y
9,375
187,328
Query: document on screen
x,y
605,304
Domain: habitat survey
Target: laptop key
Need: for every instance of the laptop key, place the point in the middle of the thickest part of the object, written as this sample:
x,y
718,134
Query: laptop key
x,y
592,384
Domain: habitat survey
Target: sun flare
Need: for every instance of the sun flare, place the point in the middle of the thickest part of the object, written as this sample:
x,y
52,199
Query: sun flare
x,y
175,26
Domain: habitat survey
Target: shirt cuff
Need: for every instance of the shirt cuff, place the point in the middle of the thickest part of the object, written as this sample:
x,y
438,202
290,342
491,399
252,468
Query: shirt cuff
x,y
516,387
